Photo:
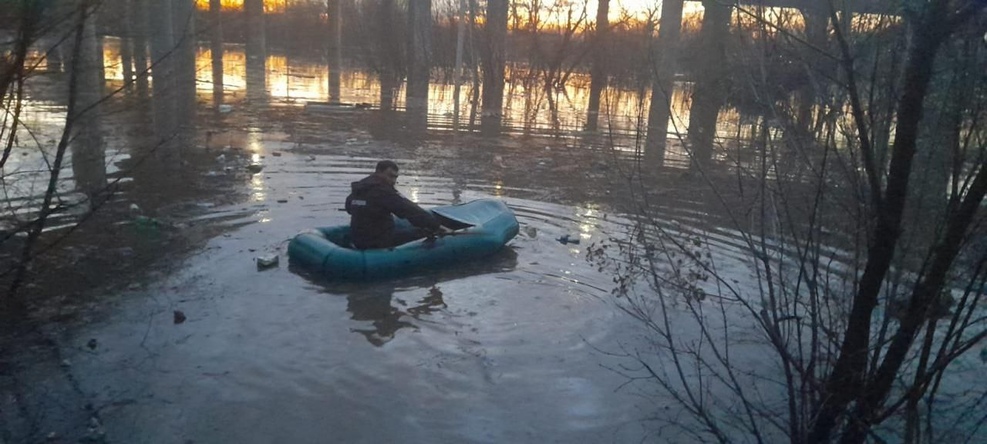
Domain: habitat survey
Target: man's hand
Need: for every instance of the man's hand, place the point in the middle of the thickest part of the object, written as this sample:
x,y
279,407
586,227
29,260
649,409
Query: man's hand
x,y
444,230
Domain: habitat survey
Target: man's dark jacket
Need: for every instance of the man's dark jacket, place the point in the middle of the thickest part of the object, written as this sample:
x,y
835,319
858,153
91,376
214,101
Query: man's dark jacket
x,y
371,205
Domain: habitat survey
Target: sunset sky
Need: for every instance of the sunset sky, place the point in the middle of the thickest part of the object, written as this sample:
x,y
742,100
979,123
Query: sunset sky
x,y
615,5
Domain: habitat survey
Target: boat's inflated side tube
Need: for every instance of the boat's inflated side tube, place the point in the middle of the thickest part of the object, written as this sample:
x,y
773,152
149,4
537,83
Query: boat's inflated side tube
x,y
491,224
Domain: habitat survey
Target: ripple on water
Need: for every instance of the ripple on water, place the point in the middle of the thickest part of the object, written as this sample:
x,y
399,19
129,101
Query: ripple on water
x,y
493,351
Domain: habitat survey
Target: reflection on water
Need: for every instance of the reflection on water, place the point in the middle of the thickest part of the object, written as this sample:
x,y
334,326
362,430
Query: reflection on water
x,y
527,110
379,311
376,306
383,308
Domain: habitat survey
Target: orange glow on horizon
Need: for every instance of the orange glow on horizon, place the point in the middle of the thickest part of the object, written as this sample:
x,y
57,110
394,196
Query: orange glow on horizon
x,y
270,6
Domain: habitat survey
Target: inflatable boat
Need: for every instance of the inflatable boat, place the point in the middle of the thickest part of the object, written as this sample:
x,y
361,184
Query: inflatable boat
x,y
480,228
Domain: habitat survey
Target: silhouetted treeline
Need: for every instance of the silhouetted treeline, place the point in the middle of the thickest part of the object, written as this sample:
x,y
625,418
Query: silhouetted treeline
x,y
302,29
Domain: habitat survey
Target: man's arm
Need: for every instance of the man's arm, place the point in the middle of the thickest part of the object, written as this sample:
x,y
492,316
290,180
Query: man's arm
x,y
406,209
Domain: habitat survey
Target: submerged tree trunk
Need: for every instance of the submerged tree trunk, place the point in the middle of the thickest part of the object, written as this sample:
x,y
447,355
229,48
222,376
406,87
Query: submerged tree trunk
x,y
458,70
815,18
138,23
335,51
493,66
665,68
598,74
216,51
88,152
256,50
389,56
419,63
126,47
473,64
710,89
163,76
184,28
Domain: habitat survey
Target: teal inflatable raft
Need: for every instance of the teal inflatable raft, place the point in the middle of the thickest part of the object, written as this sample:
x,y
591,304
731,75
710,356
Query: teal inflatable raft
x,y
482,227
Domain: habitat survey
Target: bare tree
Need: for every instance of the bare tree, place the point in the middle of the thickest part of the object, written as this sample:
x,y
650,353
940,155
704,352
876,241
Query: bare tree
x,y
864,311
548,33
83,96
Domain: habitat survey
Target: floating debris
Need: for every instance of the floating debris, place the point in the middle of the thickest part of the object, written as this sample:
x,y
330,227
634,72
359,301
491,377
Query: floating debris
x,y
531,232
255,168
179,317
268,261
568,239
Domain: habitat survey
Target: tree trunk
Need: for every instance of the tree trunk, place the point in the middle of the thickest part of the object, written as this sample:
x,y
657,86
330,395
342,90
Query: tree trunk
x,y
183,22
216,51
335,48
419,62
493,66
138,19
709,91
598,74
458,70
663,81
256,50
389,56
474,66
163,76
126,47
88,151
937,151
815,34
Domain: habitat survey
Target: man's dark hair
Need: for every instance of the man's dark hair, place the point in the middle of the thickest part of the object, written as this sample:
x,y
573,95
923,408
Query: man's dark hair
x,y
385,165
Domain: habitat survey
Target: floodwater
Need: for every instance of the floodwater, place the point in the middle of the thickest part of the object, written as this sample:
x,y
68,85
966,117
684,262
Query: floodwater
x,y
511,349
496,351
516,348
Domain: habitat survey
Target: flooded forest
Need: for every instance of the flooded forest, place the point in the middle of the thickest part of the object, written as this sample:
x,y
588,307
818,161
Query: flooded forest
x,y
739,220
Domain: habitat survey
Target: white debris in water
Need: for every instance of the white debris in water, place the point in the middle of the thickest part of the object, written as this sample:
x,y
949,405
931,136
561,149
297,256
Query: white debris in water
x,y
267,261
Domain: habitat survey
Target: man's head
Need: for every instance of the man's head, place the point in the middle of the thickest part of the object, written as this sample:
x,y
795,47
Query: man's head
x,y
388,170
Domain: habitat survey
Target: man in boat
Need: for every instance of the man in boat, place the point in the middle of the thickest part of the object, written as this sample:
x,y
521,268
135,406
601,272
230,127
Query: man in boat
x,y
371,205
